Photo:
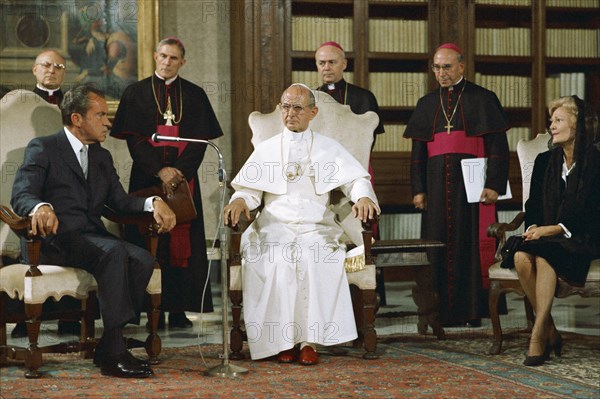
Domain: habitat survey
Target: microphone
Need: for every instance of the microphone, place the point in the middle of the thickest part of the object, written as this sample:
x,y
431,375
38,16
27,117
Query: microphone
x,y
221,168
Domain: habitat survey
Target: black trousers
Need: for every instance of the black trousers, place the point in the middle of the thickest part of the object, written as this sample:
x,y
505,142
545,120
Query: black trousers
x,y
122,271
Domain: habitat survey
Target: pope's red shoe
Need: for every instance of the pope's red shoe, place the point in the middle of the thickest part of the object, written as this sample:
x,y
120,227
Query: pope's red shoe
x,y
288,356
308,356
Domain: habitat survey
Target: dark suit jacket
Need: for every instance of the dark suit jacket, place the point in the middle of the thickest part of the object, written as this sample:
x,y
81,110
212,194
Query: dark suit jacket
x,y
51,173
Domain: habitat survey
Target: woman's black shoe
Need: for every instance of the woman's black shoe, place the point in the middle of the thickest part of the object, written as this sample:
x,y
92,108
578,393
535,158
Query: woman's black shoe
x,y
557,346
533,361
538,360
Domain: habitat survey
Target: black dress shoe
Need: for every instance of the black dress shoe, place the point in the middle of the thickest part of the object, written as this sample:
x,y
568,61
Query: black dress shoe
x,y
122,366
138,361
99,358
20,330
67,327
451,324
473,323
178,320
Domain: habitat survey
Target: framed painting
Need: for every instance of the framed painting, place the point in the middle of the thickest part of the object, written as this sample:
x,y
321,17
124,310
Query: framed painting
x,y
105,42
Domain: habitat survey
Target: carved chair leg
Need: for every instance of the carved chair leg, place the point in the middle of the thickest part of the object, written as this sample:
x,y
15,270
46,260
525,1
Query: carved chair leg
x,y
369,306
357,307
3,336
426,298
494,295
153,344
237,335
86,339
33,354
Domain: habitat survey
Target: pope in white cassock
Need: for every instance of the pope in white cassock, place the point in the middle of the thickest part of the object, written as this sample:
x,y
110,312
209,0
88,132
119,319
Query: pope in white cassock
x,y
295,290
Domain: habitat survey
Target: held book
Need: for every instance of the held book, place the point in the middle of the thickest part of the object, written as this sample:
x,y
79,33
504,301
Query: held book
x,y
181,202
473,170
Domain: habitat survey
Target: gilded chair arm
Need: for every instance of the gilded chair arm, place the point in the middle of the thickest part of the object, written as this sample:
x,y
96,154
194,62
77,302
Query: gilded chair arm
x,y
243,223
498,230
20,225
145,220
368,225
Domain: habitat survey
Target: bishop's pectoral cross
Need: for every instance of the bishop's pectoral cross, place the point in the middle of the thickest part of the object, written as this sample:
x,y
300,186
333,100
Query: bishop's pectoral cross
x,y
448,127
168,115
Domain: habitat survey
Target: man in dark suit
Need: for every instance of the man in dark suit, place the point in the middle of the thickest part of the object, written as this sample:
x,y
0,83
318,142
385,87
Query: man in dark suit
x,y
63,184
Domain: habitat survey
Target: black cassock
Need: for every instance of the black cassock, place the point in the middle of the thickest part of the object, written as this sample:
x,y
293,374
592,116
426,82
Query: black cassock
x,y
479,122
137,118
56,97
360,100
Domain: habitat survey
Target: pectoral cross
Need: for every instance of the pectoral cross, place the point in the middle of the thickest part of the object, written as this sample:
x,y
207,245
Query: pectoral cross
x,y
168,115
448,127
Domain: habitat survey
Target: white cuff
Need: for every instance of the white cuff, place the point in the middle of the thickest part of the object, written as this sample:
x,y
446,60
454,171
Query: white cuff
x,y
566,231
252,202
35,208
149,203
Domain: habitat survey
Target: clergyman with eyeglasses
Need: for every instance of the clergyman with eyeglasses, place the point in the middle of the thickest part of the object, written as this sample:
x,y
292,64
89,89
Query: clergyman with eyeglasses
x,y
49,71
458,120
295,290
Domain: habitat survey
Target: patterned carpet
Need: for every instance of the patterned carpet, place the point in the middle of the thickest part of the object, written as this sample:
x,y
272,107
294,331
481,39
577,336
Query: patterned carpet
x,y
409,367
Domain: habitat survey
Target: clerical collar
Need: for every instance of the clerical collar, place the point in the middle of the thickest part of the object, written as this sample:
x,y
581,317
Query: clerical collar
x,y
332,86
456,84
294,136
49,91
168,81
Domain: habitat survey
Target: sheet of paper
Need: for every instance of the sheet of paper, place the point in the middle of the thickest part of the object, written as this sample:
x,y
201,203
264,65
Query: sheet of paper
x,y
473,170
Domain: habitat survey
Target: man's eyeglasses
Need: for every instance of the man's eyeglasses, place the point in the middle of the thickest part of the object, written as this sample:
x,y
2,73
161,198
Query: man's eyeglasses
x,y
444,67
48,65
289,107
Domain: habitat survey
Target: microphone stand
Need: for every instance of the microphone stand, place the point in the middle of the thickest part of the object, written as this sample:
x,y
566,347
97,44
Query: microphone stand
x,y
225,369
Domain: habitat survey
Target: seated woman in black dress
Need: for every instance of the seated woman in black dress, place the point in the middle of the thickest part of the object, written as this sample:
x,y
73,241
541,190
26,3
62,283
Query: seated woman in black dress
x,y
562,219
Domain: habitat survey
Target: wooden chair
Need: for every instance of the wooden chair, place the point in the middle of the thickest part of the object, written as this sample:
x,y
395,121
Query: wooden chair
x,y
505,280
355,132
25,116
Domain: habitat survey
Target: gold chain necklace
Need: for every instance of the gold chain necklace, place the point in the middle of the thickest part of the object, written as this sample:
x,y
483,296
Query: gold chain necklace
x,y
448,125
293,171
168,113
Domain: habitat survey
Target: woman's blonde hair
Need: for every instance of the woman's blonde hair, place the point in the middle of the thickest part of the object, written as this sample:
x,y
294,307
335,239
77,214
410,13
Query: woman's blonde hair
x,y
569,105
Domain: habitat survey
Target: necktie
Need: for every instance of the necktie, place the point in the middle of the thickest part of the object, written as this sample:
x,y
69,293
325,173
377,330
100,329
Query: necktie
x,y
83,160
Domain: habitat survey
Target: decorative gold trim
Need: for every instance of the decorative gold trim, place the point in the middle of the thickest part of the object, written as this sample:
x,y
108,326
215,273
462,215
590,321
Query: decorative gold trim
x,y
147,19
355,260
355,263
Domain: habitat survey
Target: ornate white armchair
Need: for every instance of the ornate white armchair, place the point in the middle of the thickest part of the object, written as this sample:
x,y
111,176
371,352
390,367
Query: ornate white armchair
x,y
355,132
505,280
25,115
